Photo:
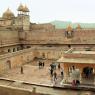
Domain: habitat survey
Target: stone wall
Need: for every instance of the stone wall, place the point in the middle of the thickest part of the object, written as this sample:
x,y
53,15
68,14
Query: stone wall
x,y
44,37
58,37
48,53
84,36
12,60
10,49
47,34
46,27
5,22
6,90
25,56
79,55
8,37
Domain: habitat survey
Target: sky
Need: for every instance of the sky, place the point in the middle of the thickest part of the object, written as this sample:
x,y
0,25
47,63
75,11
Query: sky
x,y
44,11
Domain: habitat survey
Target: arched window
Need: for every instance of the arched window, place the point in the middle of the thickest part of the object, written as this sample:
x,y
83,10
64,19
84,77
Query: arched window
x,y
14,50
9,50
8,63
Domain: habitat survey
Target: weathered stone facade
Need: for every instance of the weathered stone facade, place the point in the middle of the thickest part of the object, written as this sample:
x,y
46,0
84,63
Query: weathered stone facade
x,y
21,40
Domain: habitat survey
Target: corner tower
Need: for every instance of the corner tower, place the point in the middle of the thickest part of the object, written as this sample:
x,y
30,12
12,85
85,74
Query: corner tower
x,y
23,19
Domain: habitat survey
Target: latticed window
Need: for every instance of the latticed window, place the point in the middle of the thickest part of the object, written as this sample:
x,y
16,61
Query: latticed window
x,y
69,34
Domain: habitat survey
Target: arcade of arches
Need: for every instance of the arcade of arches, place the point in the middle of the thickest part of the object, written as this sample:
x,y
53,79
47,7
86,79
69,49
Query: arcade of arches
x,y
48,54
84,68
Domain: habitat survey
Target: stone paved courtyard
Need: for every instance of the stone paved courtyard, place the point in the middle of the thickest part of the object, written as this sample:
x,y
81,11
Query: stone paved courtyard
x,y
34,75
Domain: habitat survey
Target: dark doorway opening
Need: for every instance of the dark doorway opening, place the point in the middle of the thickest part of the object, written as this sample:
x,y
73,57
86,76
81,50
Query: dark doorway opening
x,y
69,46
8,64
88,72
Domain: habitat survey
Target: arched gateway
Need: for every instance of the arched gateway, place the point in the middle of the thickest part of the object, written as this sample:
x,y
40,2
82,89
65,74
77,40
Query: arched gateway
x,y
88,72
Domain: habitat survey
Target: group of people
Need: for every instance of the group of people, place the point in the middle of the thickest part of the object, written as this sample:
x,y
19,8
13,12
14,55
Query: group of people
x,y
88,72
75,82
41,64
53,72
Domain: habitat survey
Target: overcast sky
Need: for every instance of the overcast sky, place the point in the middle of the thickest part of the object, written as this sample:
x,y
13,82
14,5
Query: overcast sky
x,y
42,11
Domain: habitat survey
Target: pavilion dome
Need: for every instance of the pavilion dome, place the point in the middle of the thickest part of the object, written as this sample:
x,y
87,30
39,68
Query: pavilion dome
x,y
25,9
8,14
69,28
20,8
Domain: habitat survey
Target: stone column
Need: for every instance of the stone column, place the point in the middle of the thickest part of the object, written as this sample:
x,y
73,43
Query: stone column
x,y
65,69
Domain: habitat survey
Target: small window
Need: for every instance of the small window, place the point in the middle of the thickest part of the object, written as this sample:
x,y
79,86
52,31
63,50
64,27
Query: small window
x,y
28,46
87,49
13,49
69,46
9,50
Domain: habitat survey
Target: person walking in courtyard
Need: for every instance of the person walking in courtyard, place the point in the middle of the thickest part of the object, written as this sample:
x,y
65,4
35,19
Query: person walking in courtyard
x,y
73,67
43,64
40,64
55,76
22,70
58,66
51,66
62,74
51,72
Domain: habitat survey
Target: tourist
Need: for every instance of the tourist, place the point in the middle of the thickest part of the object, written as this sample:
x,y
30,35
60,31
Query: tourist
x,y
21,69
58,66
55,76
43,64
73,67
40,64
54,66
62,74
74,83
77,82
87,73
51,66
51,72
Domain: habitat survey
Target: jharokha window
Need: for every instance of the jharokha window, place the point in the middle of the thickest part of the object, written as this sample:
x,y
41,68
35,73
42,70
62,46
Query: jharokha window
x,y
69,32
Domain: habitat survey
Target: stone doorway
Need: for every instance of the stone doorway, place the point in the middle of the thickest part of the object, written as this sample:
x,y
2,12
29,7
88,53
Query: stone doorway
x,y
88,75
88,72
8,64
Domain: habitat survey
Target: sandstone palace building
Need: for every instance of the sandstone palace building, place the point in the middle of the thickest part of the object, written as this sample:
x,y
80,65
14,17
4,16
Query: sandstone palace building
x,y
21,41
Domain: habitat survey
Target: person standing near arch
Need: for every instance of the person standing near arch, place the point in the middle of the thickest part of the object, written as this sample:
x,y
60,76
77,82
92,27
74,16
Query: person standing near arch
x,y
22,70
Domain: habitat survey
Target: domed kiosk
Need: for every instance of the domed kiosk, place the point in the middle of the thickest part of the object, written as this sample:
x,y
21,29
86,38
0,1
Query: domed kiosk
x,y
8,14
